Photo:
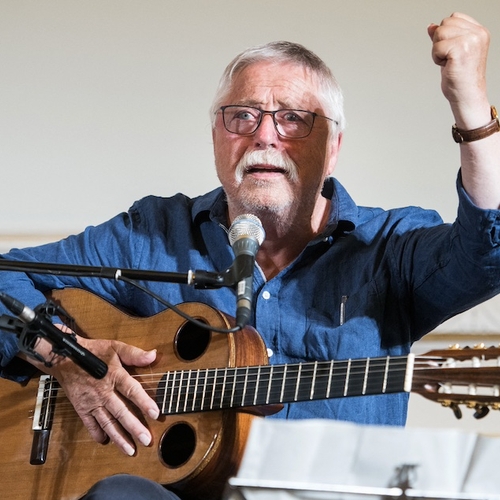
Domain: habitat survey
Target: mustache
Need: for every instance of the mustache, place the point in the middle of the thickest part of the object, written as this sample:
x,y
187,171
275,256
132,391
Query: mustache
x,y
270,157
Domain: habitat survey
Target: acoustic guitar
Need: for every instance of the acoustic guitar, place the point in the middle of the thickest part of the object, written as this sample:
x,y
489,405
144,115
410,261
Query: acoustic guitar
x,y
209,386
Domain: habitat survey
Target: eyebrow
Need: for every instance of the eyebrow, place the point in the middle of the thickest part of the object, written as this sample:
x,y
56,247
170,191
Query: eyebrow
x,y
258,104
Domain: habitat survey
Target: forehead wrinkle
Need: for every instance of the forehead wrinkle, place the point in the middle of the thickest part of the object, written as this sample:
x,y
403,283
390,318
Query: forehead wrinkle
x,y
285,85
260,105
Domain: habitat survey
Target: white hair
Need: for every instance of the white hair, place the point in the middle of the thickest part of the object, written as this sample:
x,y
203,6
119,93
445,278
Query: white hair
x,y
286,52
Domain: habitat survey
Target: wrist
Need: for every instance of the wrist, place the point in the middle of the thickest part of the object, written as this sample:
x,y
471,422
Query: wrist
x,y
474,130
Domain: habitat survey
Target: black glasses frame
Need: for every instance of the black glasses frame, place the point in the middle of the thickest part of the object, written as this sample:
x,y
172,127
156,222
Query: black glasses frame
x,y
263,112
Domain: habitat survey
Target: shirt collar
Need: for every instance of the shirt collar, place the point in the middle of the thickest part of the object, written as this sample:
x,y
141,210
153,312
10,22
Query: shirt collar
x,y
343,211
342,219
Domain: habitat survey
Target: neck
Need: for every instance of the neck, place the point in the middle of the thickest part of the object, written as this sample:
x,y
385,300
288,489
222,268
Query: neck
x,y
286,237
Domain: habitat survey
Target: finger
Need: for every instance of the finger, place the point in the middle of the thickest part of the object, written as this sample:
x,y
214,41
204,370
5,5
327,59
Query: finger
x,y
133,391
431,29
114,428
94,429
133,356
460,15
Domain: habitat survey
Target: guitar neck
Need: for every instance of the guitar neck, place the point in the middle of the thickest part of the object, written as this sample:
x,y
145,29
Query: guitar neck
x,y
187,391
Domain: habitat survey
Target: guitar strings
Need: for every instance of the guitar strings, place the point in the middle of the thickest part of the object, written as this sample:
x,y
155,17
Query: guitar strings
x,y
230,374
209,375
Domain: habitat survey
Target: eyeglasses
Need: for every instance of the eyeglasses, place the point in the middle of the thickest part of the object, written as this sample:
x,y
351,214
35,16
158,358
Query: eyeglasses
x,y
290,123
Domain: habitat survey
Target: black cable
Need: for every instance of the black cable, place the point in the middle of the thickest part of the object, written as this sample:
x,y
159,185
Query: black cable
x,y
187,317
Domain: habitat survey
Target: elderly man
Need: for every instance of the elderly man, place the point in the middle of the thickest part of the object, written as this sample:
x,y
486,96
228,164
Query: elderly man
x,y
332,280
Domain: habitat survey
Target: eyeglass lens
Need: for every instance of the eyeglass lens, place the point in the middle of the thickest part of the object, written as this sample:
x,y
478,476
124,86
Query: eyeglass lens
x,y
245,120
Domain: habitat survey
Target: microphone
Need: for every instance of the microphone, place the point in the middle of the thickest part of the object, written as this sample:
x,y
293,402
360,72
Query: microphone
x,y
65,344
246,234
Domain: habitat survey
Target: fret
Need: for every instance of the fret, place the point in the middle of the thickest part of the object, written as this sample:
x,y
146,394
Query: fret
x,y
204,391
410,365
358,379
256,387
320,380
201,389
195,389
229,381
166,392
330,376
244,392
218,380
213,391
283,384
252,387
365,380
386,374
171,391
179,392
290,382
313,384
297,384
188,385
233,391
271,371
346,384
276,384
174,396
223,390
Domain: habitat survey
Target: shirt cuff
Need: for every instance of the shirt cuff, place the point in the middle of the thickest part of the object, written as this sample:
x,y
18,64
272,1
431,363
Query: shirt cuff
x,y
486,222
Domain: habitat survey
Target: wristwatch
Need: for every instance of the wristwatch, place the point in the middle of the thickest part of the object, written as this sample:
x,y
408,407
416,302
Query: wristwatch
x,y
477,133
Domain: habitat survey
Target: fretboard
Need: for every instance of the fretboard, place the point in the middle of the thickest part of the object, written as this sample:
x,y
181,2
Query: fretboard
x,y
187,391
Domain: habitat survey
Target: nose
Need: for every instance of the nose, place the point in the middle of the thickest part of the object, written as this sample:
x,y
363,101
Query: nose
x,y
266,134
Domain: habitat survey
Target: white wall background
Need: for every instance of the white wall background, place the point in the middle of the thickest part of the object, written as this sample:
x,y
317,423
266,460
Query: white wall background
x,y
105,101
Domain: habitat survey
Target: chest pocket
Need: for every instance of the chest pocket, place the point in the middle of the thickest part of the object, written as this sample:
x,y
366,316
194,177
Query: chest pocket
x,y
348,328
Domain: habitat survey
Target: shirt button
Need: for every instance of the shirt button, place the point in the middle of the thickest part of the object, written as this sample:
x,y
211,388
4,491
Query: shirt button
x,y
266,295
269,352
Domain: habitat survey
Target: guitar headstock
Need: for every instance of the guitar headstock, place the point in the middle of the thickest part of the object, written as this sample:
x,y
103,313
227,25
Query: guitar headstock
x,y
458,377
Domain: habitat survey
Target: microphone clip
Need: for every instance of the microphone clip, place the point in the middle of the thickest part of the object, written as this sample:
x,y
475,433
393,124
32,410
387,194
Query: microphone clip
x,y
29,335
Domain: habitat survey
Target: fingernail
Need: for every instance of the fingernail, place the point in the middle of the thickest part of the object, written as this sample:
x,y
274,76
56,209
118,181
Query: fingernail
x,y
145,439
154,413
128,450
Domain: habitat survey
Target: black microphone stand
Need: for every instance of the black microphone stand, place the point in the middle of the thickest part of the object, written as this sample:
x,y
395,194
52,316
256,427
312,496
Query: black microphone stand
x,y
198,279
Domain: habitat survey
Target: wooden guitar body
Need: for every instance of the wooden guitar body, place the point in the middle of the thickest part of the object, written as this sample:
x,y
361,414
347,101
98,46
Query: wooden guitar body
x,y
193,452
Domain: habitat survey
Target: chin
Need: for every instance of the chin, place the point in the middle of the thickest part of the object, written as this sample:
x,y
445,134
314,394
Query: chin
x,y
266,206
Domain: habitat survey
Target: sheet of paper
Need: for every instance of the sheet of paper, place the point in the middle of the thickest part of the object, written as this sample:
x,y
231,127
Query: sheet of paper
x,y
300,459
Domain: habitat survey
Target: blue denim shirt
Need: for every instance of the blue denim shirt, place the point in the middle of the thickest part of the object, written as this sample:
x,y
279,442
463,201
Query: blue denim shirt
x,y
399,273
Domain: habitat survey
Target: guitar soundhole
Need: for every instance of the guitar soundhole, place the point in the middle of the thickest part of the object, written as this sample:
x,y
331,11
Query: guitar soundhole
x,y
191,341
177,445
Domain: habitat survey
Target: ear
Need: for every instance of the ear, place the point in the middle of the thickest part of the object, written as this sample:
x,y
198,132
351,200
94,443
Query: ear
x,y
335,144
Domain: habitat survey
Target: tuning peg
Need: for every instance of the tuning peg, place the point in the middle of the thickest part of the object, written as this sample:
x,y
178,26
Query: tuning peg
x,y
456,410
481,411
454,347
480,346
454,407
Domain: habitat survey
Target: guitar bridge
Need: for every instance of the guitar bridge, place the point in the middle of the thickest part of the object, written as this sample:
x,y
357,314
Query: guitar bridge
x,y
42,418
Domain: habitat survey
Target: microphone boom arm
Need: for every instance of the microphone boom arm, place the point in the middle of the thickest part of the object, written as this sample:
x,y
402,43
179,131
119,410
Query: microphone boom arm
x,y
198,279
